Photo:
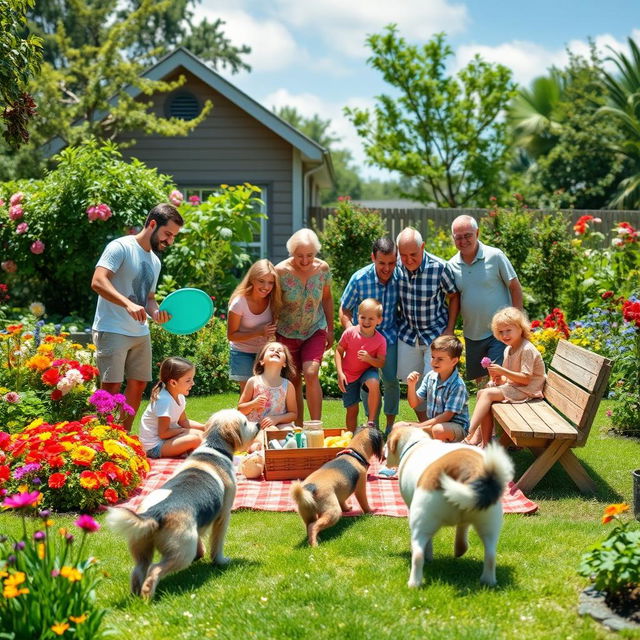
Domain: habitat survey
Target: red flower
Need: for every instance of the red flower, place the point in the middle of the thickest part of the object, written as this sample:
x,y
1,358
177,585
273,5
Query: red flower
x,y
111,495
536,324
55,462
88,372
51,377
57,480
56,394
5,473
607,294
5,438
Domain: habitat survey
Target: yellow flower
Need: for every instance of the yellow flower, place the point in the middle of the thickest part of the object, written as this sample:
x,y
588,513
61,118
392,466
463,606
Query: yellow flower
x,y
99,432
76,346
35,424
45,348
23,488
59,628
41,551
83,453
71,574
91,347
115,448
78,619
15,579
62,531
13,592
49,523
45,435
67,445
38,363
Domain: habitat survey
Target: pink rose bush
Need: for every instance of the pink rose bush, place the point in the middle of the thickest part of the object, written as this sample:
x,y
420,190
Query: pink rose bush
x,y
99,212
37,247
176,198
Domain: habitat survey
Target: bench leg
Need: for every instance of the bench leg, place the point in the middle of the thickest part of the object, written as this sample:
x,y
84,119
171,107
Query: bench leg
x,y
577,472
544,461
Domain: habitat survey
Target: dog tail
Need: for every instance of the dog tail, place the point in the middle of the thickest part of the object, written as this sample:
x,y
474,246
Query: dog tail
x,y
130,525
484,489
303,497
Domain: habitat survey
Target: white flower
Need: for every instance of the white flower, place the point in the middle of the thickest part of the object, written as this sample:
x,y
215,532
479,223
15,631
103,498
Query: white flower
x,y
617,242
74,377
64,385
37,308
623,231
597,220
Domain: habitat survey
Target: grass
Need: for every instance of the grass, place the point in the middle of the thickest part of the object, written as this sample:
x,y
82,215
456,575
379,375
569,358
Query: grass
x,y
354,584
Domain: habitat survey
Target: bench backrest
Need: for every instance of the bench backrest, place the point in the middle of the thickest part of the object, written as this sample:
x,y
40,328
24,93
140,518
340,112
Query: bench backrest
x,y
575,384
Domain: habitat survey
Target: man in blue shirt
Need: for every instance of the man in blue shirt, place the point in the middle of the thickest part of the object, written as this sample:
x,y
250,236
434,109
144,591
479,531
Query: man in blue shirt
x,y
425,282
378,280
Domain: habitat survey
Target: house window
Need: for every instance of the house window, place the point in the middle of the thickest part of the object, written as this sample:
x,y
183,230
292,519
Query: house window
x,y
258,247
182,105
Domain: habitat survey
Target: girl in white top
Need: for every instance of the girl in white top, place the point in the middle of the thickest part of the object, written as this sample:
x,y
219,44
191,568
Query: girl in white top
x,y
165,430
253,310
269,397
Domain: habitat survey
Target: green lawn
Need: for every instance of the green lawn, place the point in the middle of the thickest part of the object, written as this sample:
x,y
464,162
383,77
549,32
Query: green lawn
x,y
354,584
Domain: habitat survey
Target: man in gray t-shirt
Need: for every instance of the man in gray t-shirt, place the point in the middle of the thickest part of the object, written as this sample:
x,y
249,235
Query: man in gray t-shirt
x,y
125,280
487,282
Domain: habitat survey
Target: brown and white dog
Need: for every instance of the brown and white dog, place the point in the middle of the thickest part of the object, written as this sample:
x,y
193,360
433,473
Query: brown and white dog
x,y
198,497
449,484
324,495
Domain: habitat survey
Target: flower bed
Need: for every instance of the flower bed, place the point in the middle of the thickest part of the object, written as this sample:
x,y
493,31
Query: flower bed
x,y
76,466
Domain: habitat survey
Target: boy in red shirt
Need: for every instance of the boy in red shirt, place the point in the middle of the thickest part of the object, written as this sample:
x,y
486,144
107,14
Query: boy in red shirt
x,y
359,354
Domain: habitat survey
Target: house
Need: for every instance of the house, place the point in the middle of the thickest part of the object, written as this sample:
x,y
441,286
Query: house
x,y
239,141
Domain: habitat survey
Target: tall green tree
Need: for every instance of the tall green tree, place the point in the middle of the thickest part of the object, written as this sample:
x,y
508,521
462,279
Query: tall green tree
x,y
348,181
442,132
623,93
20,57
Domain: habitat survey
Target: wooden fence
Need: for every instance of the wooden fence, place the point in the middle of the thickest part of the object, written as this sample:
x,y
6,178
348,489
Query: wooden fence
x,y
398,219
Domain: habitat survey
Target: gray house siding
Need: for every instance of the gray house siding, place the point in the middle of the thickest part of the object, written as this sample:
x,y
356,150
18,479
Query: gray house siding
x,y
231,147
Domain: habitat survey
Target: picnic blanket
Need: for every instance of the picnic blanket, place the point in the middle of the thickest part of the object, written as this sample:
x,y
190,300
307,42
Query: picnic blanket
x,y
262,495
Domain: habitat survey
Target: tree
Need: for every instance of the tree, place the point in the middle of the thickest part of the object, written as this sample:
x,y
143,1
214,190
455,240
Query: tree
x,y
348,182
624,108
443,133
574,164
20,58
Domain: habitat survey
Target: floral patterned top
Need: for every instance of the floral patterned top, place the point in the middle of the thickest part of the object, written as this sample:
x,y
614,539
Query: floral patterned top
x,y
302,314
276,403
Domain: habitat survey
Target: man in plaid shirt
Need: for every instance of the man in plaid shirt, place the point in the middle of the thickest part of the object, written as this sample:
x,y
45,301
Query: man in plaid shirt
x,y
424,284
378,280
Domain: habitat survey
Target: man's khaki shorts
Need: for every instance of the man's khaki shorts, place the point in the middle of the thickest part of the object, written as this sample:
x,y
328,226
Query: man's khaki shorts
x,y
119,357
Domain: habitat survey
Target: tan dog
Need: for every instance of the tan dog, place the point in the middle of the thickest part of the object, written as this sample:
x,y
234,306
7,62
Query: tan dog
x,y
323,497
449,484
197,498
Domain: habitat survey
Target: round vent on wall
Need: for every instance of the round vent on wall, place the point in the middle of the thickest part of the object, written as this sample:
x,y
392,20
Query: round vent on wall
x,y
183,105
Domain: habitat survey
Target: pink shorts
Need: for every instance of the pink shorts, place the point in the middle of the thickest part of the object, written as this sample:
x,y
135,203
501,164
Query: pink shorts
x,y
309,350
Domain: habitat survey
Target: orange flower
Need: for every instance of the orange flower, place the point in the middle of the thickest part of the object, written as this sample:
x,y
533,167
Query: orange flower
x,y
38,363
59,628
78,619
89,480
614,510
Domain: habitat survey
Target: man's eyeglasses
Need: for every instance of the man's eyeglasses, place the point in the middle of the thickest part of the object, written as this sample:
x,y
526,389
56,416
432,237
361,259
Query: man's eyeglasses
x,y
465,236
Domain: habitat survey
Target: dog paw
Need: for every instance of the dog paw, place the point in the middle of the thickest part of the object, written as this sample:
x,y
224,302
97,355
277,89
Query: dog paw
x,y
413,584
222,561
488,582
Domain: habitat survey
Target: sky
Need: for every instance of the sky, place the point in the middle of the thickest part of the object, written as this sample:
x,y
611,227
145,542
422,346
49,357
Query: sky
x,y
312,54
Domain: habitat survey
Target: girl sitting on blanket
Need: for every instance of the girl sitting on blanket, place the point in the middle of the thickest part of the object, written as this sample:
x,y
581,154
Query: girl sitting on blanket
x,y
269,397
165,430
520,378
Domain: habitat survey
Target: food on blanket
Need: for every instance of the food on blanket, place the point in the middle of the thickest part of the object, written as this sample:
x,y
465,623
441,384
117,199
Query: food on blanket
x,y
253,465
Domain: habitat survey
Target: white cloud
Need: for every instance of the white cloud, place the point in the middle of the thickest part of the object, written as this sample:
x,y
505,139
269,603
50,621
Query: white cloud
x,y
344,25
273,47
528,60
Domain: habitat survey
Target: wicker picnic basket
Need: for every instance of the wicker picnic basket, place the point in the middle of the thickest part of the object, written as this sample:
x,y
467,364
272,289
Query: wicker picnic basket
x,y
296,464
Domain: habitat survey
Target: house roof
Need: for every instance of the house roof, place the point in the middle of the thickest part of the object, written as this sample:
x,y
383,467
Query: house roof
x,y
311,152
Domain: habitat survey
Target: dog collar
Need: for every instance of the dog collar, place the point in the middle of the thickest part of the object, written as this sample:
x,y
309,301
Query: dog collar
x,y
404,453
354,454
213,451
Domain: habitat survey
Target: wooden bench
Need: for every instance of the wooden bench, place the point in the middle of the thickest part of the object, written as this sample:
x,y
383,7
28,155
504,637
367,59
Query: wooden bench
x,y
552,426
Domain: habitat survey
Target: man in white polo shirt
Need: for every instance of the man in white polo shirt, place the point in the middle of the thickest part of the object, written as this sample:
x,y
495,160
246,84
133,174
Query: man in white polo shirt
x,y
486,282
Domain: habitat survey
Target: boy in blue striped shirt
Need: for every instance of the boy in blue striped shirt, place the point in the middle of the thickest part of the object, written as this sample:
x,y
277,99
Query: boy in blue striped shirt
x,y
443,391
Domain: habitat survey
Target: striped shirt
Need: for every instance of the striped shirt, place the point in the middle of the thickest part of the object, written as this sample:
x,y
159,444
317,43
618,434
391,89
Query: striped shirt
x,y
364,284
450,395
424,313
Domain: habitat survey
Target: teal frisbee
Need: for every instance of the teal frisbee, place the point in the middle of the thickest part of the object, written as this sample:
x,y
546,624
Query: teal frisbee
x,y
190,309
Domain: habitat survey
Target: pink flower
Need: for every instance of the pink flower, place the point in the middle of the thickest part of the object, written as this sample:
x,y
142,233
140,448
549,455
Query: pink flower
x,y
23,227
9,266
485,362
16,212
16,198
21,500
99,212
87,524
12,397
194,200
37,247
1,202
176,198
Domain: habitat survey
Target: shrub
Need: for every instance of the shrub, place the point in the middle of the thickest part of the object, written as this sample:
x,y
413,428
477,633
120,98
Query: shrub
x,y
208,349
49,586
66,231
208,251
349,234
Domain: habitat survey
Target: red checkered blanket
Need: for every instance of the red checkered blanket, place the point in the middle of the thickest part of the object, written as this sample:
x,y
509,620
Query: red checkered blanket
x,y
383,493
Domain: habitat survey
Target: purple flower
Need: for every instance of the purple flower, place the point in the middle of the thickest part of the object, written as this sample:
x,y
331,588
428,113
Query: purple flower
x,y
87,524
44,514
19,546
25,470
21,500
485,362
36,481
11,559
69,537
39,535
103,401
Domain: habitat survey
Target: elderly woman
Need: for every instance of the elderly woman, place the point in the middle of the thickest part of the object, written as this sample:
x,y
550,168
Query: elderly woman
x,y
305,323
